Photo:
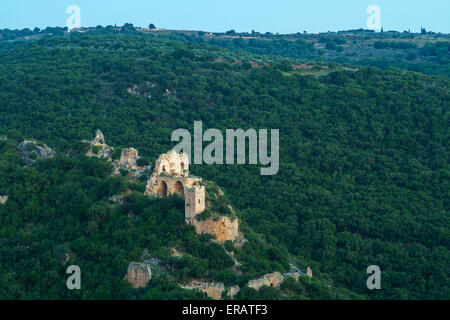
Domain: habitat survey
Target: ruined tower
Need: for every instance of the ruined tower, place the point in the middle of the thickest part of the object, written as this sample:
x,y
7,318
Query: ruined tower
x,y
194,202
171,176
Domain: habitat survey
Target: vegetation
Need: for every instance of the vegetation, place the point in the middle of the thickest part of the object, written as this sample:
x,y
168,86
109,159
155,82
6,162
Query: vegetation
x,y
363,179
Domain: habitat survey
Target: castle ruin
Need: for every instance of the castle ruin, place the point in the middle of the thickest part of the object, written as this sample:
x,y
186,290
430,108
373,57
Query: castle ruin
x,y
171,176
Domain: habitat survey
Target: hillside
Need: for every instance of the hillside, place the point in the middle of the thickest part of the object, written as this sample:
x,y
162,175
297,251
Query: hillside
x,y
363,179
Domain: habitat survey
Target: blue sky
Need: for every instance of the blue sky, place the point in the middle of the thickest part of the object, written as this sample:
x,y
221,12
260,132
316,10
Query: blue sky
x,y
283,16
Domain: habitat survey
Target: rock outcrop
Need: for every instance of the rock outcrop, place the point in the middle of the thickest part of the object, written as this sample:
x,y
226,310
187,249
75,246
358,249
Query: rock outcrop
x,y
117,198
31,151
240,240
138,274
3,199
155,265
99,148
271,280
99,138
233,291
309,272
223,228
295,272
128,158
144,90
174,253
129,161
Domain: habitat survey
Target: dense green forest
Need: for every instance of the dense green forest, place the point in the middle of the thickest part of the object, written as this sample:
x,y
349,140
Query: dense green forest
x,y
363,179
426,52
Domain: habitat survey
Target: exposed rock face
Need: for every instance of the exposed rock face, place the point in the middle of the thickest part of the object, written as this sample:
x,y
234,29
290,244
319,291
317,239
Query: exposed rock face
x,y
3,199
128,161
175,254
144,90
212,289
223,228
233,291
156,267
309,272
99,138
128,158
270,279
138,274
31,151
239,241
294,273
99,148
117,199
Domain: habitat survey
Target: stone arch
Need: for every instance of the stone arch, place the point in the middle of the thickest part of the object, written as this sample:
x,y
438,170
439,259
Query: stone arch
x,y
178,189
161,190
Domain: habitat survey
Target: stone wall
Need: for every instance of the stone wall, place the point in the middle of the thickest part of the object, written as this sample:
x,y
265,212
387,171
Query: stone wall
x,y
163,185
213,290
223,228
271,280
194,202
172,163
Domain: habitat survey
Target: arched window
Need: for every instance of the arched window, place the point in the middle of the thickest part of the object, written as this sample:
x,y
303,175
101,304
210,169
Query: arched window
x,y
178,189
162,189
